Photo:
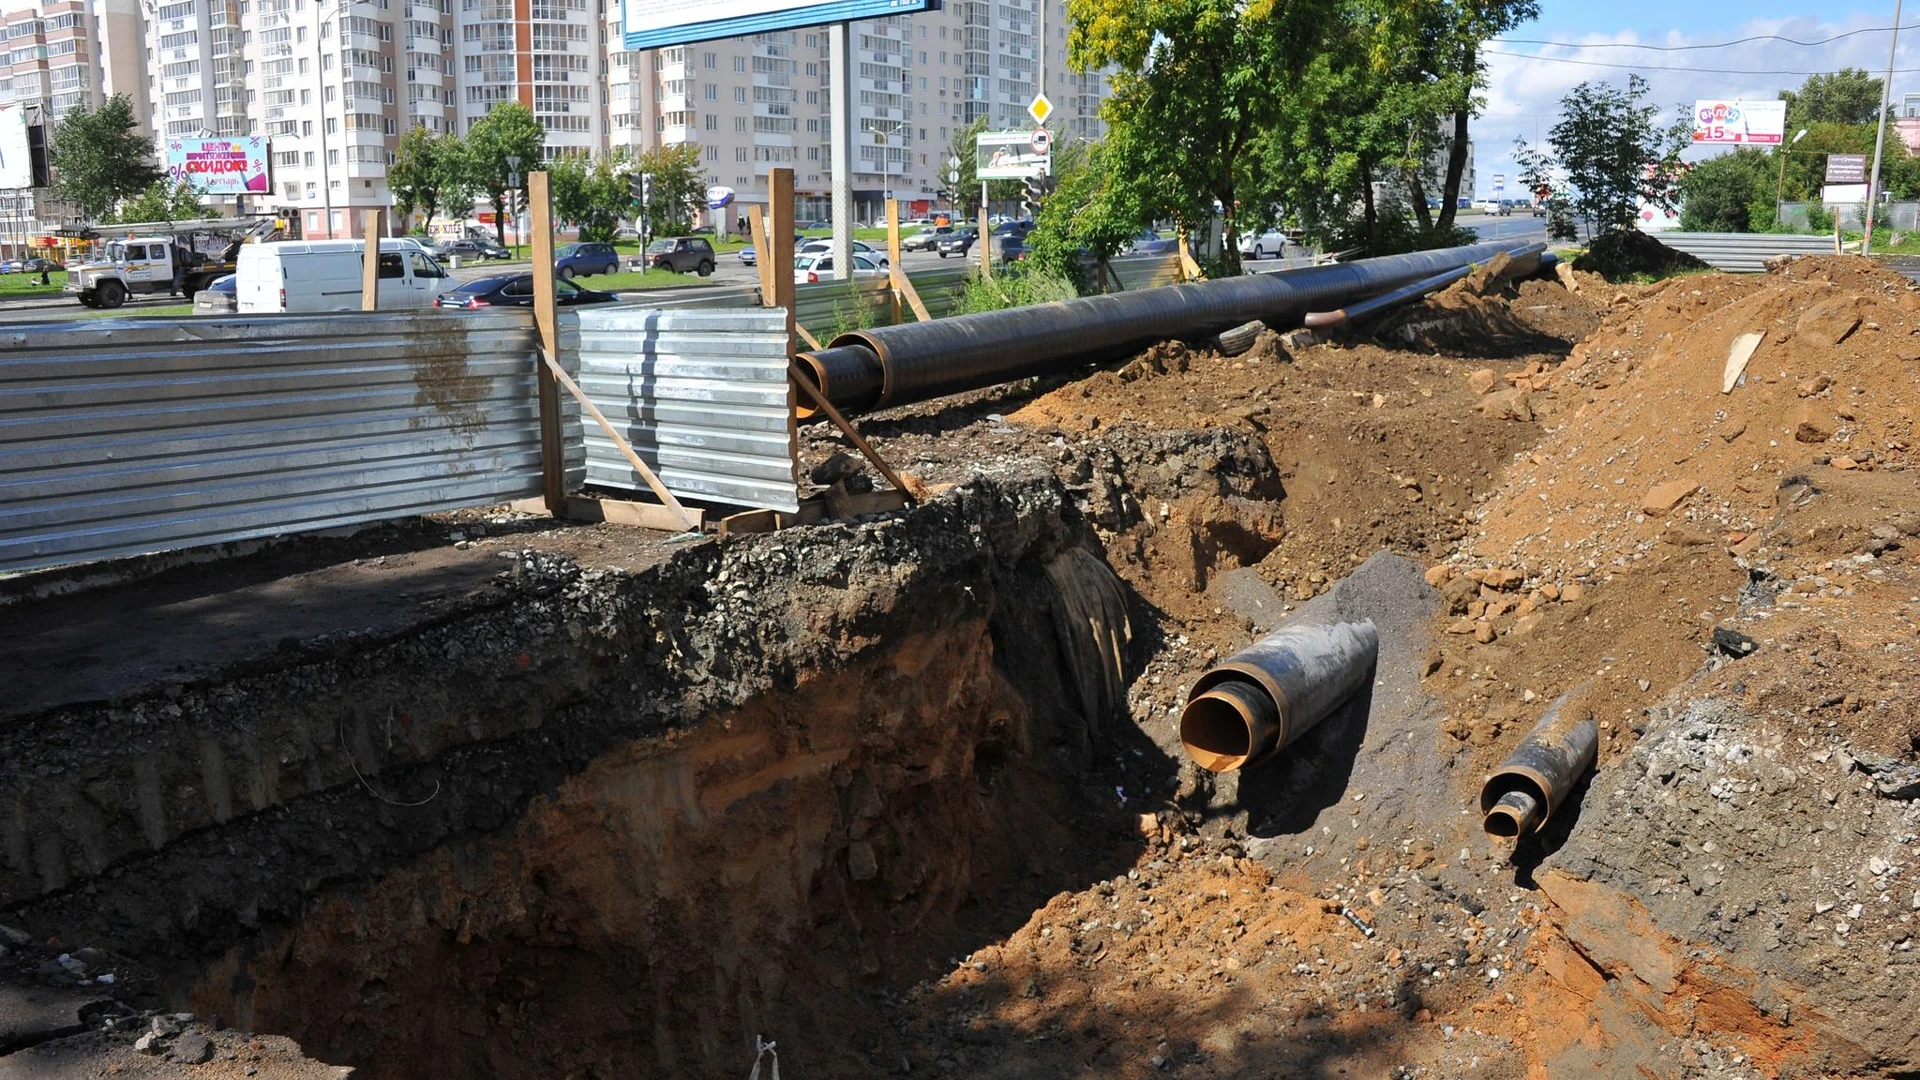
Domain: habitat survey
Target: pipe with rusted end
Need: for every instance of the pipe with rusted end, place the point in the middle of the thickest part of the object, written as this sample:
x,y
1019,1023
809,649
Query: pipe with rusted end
x,y
1531,784
1267,695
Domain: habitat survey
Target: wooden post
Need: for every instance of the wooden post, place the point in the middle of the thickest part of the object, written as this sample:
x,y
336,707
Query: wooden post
x,y
546,325
893,253
780,243
370,262
986,245
758,222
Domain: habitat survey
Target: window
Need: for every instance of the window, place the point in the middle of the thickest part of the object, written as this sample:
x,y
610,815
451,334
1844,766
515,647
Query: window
x,y
713,153
739,95
710,61
740,64
740,125
391,266
711,92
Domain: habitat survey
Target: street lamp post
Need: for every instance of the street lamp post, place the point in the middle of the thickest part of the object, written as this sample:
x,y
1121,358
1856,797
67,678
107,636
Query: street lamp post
x,y
1780,185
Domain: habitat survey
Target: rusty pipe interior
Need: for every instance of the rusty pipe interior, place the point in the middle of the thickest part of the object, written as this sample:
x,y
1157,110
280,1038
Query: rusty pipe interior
x,y
1523,793
1265,696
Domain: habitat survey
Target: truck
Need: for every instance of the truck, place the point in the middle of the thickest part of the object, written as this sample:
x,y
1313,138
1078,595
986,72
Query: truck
x,y
161,257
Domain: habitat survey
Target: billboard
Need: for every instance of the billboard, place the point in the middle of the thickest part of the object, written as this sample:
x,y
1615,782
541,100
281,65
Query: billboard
x,y
1739,122
230,166
1846,169
654,24
1011,155
16,158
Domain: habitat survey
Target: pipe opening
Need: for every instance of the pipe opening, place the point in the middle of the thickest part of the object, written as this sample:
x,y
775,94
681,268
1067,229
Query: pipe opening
x,y
1228,726
1519,808
809,369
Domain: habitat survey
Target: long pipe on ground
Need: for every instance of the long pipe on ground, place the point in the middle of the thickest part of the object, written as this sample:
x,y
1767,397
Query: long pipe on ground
x,y
1521,262
897,365
1265,696
1534,780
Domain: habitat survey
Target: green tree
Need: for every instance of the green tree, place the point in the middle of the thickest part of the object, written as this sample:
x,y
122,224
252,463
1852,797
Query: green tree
x,y
966,190
1614,153
1721,193
418,172
1087,212
101,157
163,201
508,131
1847,96
591,192
679,186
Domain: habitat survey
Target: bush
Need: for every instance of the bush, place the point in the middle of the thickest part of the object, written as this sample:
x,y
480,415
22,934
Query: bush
x,y
1719,193
1631,255
1013,288
1819,218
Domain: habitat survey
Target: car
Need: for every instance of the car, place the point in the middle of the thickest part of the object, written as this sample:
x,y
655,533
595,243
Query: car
x,y
220,297
1011,247
958,242
582,260
925,238
515,290
750,257
1013,227
1151,243
817,225
816,245
814,267
1259,245
1494,206
680,254
471,249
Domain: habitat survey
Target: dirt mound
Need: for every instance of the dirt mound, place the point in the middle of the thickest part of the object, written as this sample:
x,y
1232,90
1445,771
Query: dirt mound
x,y
1620,256
1487,316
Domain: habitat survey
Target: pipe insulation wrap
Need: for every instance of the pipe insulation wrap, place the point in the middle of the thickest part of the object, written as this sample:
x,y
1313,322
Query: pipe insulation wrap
x,y
898,365
1267,695
1530,785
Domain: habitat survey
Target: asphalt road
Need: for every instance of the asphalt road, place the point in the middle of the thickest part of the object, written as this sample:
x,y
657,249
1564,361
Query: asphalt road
x,y
1520,230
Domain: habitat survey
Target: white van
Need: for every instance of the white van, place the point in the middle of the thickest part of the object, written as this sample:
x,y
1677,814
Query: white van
x,y
324,275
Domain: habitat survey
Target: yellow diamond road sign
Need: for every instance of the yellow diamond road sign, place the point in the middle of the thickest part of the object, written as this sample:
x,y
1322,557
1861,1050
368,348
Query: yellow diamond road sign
x,y
1040,109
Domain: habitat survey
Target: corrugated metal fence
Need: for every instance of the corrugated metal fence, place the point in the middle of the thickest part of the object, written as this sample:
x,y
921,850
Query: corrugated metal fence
x,y
702,396
144,435
1743,252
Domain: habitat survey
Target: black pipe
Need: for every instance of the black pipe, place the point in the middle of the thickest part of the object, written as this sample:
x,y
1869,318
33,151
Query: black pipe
x,y
898,365
1271,692
1534,780
1321,320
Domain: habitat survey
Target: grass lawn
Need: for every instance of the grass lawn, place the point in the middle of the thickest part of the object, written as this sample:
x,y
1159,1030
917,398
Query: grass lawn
x,y
29,284
132,313
632,279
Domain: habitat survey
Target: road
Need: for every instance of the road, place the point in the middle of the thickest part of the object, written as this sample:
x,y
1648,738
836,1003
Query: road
x,y
1520,230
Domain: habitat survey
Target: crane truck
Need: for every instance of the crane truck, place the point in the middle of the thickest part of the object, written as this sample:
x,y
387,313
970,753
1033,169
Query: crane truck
x,y
162,257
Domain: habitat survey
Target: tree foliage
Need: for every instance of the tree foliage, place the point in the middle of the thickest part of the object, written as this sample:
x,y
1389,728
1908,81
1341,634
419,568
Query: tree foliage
x,y
1090,211
1727,193
163,201
1614,154
679,186
422,165
101,158
591,192
508,131
1847,96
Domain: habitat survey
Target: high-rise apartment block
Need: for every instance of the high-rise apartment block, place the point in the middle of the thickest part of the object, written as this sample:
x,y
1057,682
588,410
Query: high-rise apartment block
x,y
333,84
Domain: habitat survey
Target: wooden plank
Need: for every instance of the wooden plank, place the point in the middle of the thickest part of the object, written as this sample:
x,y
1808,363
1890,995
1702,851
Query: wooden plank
x,y
546,324
986,244
639,514
796,377
687,518
370,261
758,222
1189,269
806,336
780,243
903,287
893,256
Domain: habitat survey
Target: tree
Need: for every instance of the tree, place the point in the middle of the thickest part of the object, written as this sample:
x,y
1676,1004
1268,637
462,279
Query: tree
x,y
679,186
1847,96
1721,194
163,201
419,170
1088,211
508,131
1613,152
592,192
966,190
101,157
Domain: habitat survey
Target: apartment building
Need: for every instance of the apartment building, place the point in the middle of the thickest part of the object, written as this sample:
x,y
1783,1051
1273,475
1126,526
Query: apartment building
x,y
756,102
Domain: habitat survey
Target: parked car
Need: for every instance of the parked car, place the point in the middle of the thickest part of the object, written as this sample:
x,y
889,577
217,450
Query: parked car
x,y
471,249
1262,244
581,260
816,245
515,290
680,254
819,267
1494,206
220,297
925,238
957,242
1151,243
30,266
1012,247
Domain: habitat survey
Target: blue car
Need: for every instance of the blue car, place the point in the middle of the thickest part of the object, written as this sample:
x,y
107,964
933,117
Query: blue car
x,y
582,260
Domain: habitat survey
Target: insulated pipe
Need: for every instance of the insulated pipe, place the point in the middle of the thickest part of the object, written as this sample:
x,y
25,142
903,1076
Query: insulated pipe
x,y
1267,695
898,365
1530,785
1321,320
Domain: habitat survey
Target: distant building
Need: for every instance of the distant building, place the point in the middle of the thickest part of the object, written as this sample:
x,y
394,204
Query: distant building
x,y
1906,122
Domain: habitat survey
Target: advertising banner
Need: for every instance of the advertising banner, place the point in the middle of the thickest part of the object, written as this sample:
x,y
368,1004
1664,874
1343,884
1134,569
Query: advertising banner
x,y
1759,123
654,24
1009,155
16,160
229,166
1846,168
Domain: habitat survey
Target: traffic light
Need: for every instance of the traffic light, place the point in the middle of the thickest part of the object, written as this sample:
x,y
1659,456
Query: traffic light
x,y
640,188
1039,186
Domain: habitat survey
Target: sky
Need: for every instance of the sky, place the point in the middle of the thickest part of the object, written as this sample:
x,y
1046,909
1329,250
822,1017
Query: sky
x,y
1524,91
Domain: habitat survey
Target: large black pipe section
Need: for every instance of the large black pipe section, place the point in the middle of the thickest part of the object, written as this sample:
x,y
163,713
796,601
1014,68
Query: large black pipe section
x,y
1267,695
898,365
1322,320
1534,780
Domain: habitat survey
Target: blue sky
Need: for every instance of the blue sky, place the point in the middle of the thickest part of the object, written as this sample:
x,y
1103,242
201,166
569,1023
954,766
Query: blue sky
x,y
1525,90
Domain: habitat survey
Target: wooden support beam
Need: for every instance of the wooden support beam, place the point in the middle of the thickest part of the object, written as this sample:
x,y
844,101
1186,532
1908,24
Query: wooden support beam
x,y
546,326
688,519
902,287
893,257
812,342
370,261
614,512
780,243
986,245
798,378
763,259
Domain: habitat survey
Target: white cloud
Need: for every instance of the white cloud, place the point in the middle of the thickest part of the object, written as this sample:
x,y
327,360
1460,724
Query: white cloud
x,y
1523,93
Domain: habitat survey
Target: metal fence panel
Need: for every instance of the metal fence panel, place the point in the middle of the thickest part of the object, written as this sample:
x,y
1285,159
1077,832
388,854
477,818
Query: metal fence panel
x,y
128,436
702,396
1744,252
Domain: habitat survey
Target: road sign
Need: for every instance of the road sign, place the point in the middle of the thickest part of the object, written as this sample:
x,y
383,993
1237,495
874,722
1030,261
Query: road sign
x,y
1846,168
953,161
953,176
1042,139
1040,109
